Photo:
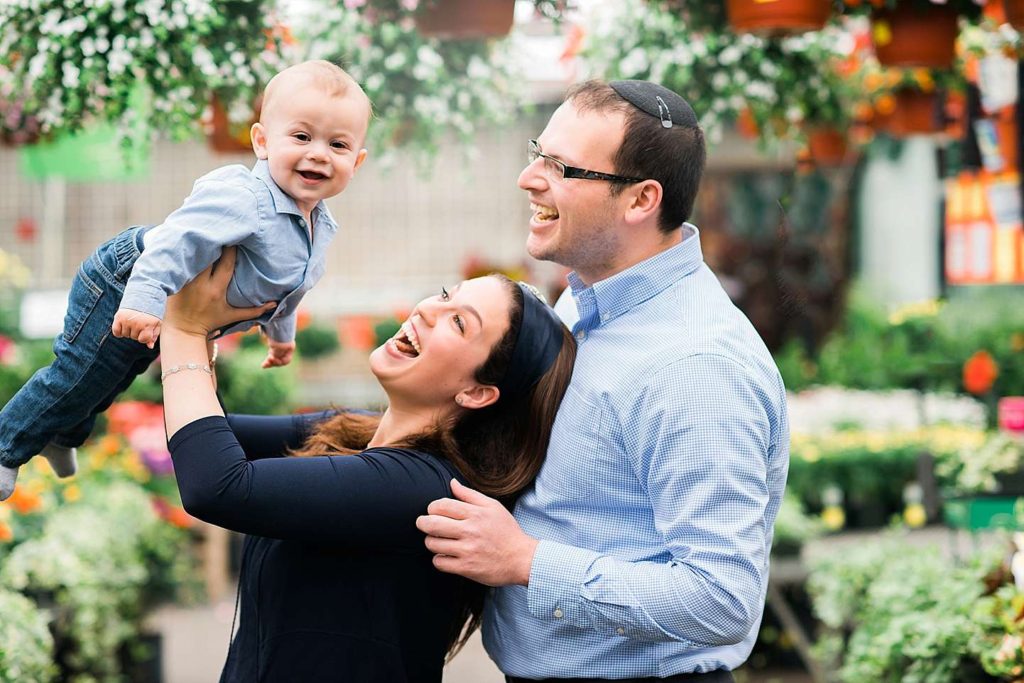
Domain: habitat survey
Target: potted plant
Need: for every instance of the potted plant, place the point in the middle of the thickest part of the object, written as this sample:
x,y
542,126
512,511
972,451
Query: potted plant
x,y
421,88
71,65
464,19
783,16
909,101
779,85
915,32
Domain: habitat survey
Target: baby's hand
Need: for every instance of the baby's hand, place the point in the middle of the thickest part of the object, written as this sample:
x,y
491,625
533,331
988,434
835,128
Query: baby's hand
x,y
280,353
142,327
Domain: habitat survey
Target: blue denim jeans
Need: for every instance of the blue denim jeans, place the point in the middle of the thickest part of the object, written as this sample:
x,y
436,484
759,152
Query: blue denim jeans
x,y
60,402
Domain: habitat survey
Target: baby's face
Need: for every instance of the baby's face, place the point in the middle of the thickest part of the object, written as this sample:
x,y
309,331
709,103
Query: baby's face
x,y
312,142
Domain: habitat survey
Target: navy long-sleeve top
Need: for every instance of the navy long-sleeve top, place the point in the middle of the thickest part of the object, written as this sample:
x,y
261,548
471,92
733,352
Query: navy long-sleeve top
x,y
336,583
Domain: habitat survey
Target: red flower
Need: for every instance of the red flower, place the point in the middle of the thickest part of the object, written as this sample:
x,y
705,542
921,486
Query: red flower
x,y
980,373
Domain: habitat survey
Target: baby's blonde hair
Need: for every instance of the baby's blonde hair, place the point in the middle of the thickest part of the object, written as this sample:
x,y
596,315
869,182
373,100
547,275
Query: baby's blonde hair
x,y
330,78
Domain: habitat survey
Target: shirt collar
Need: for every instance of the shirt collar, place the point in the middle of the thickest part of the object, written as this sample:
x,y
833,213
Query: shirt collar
x,y
619,293
283,203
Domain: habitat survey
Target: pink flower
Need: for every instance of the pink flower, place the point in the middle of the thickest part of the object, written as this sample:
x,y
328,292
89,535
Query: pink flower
x,y
410,5
8,350
354,4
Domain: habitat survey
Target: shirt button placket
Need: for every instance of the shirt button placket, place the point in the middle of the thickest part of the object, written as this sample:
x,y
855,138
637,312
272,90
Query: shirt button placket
x,y
559,613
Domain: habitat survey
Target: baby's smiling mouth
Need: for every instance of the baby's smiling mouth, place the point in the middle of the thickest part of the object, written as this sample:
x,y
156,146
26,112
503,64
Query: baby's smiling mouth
x,y
312,175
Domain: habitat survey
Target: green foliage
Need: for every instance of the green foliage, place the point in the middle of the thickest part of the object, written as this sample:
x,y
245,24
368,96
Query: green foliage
x,y
422,88
26,653
783,83
921,347
898,616
95,559
68,64
247,388
793,527
316,341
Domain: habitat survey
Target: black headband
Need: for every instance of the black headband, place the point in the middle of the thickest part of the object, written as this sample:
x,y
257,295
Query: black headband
x,y
658,101
537,345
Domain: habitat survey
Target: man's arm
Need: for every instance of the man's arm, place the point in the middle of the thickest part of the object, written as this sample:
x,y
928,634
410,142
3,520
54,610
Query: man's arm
x,y
702,458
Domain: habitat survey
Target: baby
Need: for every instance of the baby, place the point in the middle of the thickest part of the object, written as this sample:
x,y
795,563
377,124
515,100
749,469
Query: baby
x,y
309,144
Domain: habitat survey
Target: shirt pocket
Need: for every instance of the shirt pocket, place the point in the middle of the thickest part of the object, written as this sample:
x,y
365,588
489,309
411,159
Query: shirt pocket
x,y
577,447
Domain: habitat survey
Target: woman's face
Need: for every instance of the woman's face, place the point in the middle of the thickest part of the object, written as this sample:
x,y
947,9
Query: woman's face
x,y
447,337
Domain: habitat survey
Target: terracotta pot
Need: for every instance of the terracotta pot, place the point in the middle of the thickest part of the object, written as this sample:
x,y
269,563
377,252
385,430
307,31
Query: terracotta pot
x,y
462,19
1014,10
827,146
916,112
777,16
911,36
227,137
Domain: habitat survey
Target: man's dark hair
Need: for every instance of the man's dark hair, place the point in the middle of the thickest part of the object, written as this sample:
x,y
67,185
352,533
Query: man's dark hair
x,y
674,156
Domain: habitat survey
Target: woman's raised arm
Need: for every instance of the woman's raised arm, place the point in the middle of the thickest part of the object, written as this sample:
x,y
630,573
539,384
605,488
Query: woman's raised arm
x,y
191,316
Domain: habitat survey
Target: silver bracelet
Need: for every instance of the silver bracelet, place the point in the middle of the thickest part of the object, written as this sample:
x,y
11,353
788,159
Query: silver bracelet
x,y
187,366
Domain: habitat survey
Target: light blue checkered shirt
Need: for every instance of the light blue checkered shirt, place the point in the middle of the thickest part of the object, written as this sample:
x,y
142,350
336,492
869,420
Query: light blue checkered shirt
x,y
278,260
656,502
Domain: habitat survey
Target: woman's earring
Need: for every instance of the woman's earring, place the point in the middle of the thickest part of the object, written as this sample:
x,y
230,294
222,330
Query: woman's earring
x,y
458,399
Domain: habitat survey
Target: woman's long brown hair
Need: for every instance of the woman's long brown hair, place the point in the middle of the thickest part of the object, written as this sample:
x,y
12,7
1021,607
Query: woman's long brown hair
x,y
498,449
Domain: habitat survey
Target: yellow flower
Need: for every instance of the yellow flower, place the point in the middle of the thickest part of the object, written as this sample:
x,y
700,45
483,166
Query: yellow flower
x,y
72,493
810,453
914,515
833,517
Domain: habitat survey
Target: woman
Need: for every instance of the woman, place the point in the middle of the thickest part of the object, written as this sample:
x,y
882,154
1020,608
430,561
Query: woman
x,y
336,582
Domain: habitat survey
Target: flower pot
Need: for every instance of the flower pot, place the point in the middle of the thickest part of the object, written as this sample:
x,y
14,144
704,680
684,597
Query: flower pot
x,y
462,19
1014,10
226,137
827,147
916,113
777,16
911,36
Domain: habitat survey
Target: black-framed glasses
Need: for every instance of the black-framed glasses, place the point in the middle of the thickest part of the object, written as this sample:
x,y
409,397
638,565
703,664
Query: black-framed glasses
x,y
562,170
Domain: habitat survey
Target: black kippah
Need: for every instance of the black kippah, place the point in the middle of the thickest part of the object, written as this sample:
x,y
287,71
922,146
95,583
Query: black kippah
x,y
658,101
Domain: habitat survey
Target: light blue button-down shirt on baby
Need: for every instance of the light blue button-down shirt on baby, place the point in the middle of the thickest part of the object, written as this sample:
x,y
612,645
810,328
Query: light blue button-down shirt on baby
x,y
664,474
277,258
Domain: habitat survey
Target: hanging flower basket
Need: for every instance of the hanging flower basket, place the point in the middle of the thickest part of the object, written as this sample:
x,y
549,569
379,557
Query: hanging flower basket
x,y
827,147
1014,10
915,113
907,35
777,16
226,136
465,19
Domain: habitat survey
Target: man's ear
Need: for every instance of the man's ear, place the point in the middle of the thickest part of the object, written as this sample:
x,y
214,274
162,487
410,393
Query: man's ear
x,y
259,140
644,201
480,396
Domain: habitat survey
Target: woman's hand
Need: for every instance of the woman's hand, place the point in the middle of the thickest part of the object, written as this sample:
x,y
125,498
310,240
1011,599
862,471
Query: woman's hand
x,y
201,306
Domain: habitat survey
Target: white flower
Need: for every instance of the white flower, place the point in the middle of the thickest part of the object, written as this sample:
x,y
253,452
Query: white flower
x,y
395,61
635,63
70,75
729,55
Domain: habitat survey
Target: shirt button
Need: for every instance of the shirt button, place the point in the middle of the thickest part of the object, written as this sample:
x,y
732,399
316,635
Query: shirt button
x,y
604,317
581,335
302,222
558,613
621,631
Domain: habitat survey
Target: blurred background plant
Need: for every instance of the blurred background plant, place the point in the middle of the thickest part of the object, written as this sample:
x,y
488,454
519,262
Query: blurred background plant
x,y
422,88
68,65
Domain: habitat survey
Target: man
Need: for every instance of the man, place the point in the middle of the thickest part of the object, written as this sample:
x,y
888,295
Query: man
x,y
641,552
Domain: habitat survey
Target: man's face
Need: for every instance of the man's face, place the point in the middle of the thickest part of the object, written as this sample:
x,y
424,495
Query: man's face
x,y
575,222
